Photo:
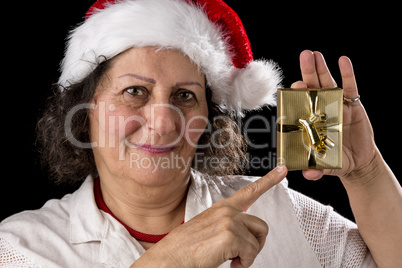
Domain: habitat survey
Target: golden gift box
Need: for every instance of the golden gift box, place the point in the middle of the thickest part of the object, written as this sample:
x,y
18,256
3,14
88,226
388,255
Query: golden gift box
x,y
309,128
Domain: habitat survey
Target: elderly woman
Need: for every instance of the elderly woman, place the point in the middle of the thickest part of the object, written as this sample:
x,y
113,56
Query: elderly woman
x,y
144,110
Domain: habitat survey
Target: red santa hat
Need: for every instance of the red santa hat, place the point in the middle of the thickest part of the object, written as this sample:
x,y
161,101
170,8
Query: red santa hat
x,y
209,32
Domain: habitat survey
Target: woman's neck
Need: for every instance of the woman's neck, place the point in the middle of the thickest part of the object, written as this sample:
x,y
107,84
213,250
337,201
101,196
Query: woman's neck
x,y
150,210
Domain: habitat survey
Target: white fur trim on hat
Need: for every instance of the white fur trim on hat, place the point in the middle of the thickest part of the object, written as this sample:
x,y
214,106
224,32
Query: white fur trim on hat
x,y
253,87
170,24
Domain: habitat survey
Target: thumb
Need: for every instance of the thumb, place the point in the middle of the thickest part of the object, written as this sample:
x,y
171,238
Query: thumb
x,y
246,196
236,263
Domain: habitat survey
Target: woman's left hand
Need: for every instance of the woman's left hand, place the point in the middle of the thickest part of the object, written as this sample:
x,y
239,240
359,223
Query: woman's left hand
x,y
377,206
359,149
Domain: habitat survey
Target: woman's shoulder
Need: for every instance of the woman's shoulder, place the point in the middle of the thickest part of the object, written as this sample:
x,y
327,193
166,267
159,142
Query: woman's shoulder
x,y
20,233
52,218
47,233
52,210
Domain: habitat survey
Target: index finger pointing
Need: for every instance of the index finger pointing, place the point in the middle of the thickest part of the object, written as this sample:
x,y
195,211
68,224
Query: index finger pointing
x,y
246,196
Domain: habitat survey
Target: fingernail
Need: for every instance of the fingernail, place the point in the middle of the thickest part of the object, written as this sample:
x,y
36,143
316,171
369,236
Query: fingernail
x,y
280,168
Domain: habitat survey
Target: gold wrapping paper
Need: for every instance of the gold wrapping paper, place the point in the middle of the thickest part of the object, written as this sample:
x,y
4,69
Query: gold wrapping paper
x,y
309,130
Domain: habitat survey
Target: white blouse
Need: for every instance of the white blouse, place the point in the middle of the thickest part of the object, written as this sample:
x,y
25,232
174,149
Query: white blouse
x,y
73,232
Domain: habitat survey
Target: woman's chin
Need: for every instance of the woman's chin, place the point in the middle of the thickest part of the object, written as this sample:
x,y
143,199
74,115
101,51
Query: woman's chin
x,y
157,177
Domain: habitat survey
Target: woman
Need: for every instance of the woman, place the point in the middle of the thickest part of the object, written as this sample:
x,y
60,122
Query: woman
x,y
147,87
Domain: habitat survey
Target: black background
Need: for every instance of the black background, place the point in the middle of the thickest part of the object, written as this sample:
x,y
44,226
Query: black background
x,y
34,44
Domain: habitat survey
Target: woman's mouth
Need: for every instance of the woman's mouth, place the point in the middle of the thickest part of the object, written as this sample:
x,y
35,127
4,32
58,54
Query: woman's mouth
x,y
155,149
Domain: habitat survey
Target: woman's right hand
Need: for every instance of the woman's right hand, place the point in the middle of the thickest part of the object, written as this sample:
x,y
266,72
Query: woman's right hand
x,y
221,233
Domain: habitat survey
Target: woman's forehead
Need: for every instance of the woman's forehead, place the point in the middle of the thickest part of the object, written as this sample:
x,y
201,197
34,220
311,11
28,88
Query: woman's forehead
x,y
149,63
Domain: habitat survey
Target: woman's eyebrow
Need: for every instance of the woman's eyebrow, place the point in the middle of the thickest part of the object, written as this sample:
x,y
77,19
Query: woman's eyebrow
x,y
146,79
152,81
180,84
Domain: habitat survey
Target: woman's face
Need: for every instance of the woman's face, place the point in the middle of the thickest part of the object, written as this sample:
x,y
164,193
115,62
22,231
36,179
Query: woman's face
x,y
150,111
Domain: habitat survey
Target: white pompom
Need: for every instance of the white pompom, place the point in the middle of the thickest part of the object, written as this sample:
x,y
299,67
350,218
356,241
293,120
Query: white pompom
x,y
254,86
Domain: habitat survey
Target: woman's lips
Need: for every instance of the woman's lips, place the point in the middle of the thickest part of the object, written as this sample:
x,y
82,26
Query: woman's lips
x,y
155,149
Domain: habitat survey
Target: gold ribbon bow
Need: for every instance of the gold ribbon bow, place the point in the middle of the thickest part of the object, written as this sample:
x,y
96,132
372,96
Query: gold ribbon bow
x,y
319,143
315,126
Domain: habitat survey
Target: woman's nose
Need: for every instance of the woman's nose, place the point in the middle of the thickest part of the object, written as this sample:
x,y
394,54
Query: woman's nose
x,y
163,118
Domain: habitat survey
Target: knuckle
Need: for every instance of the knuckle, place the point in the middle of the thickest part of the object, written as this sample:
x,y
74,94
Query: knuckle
x,y
265,226
226,223
269,177
227,237
224,210
252,189
248,256
221,205
255,248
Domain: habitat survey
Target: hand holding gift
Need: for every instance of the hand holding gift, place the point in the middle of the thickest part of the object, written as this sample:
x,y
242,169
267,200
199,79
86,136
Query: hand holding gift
x,y
374,193
358,149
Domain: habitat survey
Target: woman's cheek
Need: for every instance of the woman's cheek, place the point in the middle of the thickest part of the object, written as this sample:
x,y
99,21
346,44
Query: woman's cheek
x,y
129,128
120,124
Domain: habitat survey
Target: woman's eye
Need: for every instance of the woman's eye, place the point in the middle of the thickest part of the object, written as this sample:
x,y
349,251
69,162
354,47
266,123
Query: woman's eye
x,y
186,96
135,91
